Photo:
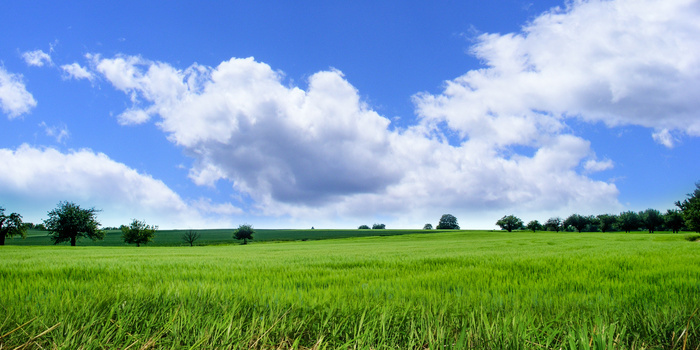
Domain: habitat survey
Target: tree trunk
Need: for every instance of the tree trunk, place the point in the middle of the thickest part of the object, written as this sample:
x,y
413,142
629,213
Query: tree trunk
x,y
138,244
2,239
72,241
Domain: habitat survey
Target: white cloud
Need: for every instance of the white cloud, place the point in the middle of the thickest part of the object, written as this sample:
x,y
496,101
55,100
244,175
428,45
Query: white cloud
x,y
623,62
592,165
77,72
40,178
322,152
15,100
60,133
37,58
663,137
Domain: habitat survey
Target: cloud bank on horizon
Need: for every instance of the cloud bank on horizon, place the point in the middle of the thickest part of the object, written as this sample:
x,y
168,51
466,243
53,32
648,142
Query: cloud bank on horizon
x,y
321,151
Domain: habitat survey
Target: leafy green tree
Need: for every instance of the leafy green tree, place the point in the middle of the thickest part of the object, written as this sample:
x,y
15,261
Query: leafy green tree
x,y
68,222
363,227
378,227
579,222
690,208
11,225
428,226
138,233
191,236
607,222
448,222
651,219
628,221
673,219
553,224
510,223
534,225
244,232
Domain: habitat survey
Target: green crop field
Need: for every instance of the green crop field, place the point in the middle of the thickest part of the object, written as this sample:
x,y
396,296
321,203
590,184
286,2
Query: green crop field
x,y
440,290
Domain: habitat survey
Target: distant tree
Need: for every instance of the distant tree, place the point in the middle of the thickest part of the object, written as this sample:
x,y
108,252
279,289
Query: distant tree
x,y
577,221
673,219
378,226
11,225
553,224
190,236
628,221
68,222
534,225
607,221
651,219
510,223
138,233
244,232
448,222
690,209
363,227
428,226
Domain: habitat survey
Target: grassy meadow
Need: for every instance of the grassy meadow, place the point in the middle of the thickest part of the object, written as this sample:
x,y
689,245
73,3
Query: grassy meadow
x,y
440,290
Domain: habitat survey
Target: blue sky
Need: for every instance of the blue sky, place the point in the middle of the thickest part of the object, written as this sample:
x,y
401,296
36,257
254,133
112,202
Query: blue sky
x,y
336,114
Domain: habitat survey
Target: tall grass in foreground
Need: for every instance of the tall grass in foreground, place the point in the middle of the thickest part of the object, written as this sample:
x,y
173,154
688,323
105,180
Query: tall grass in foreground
x,y
454,290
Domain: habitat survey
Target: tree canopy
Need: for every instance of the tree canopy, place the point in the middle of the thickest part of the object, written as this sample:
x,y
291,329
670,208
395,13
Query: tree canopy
x,y
628,221
579,222
553,224
244,232
510,223
448,222
534,225
690,209
607,222
68,222
673,219
651,219
10,225
138,233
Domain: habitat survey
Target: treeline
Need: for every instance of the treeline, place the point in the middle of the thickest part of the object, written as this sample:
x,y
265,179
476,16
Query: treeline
x,y
685,218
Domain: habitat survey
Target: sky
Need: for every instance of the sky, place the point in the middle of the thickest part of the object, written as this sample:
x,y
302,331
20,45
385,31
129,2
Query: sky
x,y
334,114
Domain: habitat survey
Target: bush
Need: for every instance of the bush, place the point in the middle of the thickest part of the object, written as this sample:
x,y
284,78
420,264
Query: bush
x,y
378,226
363,227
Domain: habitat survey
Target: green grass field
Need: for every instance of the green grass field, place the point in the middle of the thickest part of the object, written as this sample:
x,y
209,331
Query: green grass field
x,y
441,290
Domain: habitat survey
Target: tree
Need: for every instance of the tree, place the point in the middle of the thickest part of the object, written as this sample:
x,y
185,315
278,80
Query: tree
x,y
534,225
448,222
673,219
138,232
244,232
651,219
190,237
11,225
690,209
579,222
607,221
428,226
510,223
363,227
69,222
628,221
378,226
553,224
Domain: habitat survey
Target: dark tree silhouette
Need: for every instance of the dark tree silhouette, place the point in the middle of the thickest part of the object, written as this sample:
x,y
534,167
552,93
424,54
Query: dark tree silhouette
x,y
510,223
138,232
448,222
10,225
190,237
244,232
68,222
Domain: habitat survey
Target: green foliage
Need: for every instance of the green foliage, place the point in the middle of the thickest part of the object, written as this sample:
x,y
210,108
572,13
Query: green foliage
x,y
692,238
363,227
138,233
68,222
579,222
378,227
673,220
11,225
445,290
191,236
628,221
690,209
244,232
607,222
553,224
448,222
510,223
535,226
651,219
428,226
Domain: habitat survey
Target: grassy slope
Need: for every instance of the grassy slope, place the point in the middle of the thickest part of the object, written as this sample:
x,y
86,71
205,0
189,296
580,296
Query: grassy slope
x,y
473,289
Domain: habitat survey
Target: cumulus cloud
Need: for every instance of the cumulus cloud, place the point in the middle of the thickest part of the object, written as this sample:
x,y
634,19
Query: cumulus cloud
x,y
623,62
15,100
323,152
37,58
41,177
76,71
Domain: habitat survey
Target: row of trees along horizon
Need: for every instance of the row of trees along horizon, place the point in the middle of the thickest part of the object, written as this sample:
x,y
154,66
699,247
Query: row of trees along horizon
x,y
68,223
